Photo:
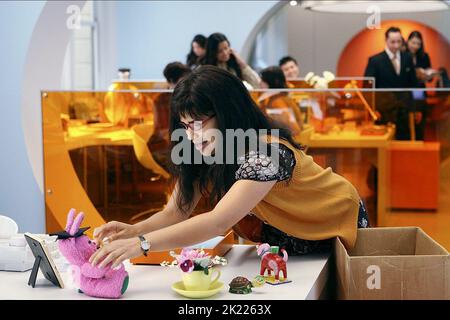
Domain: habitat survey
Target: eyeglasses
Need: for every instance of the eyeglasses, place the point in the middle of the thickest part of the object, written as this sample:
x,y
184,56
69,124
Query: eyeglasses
x,y
196,124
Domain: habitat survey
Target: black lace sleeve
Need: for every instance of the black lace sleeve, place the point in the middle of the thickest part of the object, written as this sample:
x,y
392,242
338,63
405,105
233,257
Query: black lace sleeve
x,y
261,167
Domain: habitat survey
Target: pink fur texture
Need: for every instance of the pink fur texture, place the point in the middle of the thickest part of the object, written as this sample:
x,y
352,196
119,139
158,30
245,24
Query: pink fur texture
x,y
92,281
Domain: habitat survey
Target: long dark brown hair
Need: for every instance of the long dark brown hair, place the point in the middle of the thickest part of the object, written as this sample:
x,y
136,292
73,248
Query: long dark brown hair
x,y
207,91
416,34
192,58
212,49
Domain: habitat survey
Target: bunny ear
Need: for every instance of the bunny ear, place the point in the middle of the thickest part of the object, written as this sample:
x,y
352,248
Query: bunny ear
x,y
70,217
76,224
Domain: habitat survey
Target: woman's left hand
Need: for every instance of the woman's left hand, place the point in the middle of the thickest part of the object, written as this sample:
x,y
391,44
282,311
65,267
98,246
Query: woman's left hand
x,y
116,252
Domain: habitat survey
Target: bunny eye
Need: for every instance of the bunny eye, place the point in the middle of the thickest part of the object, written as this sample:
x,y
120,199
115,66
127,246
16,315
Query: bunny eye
x,y
89,241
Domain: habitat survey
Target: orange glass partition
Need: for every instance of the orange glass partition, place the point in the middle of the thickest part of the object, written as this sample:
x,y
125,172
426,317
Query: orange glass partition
x,y
119,170
105,154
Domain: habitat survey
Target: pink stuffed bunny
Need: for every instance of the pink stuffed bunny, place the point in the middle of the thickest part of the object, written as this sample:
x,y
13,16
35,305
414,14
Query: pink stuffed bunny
x,y
77,248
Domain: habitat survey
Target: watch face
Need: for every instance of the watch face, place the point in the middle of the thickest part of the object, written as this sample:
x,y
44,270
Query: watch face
x,y
145,245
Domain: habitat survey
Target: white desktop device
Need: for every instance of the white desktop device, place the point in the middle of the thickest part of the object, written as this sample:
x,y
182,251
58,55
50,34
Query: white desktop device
x,y
15,254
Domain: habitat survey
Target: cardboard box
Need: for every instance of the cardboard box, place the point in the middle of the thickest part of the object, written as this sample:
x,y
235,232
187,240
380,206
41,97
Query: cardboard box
x,y
218,246
392,263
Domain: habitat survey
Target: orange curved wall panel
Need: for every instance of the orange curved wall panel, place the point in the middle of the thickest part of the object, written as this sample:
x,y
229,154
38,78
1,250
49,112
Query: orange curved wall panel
x,y
354,57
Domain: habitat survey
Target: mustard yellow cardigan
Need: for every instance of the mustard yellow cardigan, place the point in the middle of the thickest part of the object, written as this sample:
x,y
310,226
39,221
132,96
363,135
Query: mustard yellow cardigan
x,y
316,203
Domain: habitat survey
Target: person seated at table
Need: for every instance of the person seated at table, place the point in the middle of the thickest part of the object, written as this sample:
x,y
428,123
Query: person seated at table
x,y
278,105
290,67
300,206
220,54
174,71
198,50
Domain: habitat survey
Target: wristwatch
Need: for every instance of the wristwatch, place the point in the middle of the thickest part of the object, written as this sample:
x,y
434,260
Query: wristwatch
x,y
145,246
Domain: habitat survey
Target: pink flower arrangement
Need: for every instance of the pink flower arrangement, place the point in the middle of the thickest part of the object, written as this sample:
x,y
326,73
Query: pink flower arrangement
x,y
194,260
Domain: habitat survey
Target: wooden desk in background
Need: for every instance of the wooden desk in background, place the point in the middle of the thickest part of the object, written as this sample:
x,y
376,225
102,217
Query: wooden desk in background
x,y
352,139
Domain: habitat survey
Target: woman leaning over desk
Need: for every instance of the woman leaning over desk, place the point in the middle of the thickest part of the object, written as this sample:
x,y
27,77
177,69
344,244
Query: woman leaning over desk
x,y
301,205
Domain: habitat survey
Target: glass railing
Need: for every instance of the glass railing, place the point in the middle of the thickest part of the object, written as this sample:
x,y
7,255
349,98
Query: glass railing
x,y
108,153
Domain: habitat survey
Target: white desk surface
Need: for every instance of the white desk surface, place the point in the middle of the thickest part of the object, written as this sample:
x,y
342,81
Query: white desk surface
x,y
309,275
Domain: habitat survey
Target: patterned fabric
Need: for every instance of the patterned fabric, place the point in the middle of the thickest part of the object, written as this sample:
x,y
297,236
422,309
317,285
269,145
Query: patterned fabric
x,y
363,216
295,246
261,167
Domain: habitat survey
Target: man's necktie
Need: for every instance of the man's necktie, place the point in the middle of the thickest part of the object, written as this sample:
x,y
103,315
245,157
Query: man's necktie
x,y
396,65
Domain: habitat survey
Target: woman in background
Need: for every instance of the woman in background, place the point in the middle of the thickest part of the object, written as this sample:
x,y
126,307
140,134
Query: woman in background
x,y
424,73
278,105
220,54
198,50
421,59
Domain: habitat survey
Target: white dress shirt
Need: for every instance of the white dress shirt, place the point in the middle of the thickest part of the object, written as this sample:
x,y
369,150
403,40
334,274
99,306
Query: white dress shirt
x,y
395,56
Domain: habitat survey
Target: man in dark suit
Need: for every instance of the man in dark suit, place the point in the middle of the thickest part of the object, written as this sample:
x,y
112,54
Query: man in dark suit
x,y
394,69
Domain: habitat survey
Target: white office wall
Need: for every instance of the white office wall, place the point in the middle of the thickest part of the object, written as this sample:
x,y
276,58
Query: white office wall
x,y
20,197
151,34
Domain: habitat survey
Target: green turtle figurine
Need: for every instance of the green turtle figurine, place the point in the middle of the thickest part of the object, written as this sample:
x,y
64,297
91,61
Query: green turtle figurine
x,y
241,285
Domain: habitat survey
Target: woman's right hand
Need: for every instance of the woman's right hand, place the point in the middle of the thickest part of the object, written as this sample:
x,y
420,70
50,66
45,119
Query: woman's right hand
x,y
113,230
